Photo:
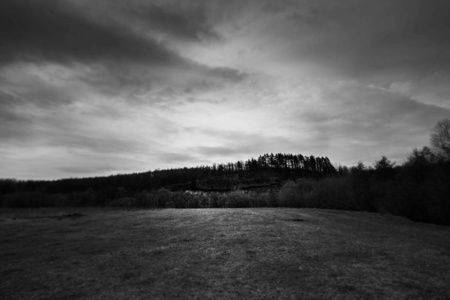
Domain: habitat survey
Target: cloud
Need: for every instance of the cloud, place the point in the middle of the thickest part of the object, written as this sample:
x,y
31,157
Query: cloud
x,y
225,73
43,86
176,158
278,6
52,31
182,22
232,143
118,57
84,170
50,143
113,86
376,40
428,89
70,80
351,119
218,150
13,122
39,162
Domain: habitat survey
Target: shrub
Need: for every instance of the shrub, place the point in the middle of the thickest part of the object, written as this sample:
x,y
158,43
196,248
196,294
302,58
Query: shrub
x,y
334,193
296,194
270,199
289,195
236,199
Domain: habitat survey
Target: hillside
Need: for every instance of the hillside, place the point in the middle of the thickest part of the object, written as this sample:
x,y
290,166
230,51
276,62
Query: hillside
x,y
417,190
265,171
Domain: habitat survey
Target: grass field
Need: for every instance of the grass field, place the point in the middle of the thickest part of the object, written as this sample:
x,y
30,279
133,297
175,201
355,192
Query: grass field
x,y
220,253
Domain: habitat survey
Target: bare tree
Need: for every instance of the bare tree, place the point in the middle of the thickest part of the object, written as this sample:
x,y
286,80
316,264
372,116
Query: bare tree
x,y
440,137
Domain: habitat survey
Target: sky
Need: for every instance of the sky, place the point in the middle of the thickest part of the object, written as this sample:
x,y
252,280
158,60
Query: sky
x,y
100,87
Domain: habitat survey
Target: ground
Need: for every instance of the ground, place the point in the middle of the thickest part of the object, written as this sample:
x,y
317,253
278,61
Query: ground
x,y
263,253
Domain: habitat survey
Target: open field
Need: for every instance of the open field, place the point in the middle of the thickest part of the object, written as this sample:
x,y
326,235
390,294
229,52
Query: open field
x,y
220,253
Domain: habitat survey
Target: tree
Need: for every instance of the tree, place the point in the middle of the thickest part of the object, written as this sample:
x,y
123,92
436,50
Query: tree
x,y
384,169
359,168
440,137
421,157
383,164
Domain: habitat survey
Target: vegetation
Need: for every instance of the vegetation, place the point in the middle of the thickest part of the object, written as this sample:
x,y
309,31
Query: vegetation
x,y
440,137
253,253
264,173
222,177
418,189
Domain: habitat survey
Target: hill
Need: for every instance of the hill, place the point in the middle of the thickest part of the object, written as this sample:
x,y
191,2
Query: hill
x,y
418,189
265,171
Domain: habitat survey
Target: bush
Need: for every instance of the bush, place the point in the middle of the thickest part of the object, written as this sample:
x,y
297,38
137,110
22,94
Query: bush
x,y
289,195
297,194
334,193
270,199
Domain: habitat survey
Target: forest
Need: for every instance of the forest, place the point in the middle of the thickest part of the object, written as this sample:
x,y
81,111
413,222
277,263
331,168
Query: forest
x,y
265,172
417,189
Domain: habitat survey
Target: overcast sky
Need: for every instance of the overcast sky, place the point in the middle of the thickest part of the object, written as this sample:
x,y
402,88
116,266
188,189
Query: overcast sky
x,y
102,87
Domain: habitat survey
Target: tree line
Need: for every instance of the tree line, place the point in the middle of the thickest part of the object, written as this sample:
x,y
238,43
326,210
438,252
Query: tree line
x,y
227,175
417,189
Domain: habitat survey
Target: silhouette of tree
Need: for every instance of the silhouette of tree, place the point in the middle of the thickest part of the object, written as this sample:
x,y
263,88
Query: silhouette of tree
x,y
384,169
422,157
384,163
440,137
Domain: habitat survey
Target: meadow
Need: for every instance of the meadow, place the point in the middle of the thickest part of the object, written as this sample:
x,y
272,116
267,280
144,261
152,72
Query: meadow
x,y
246,253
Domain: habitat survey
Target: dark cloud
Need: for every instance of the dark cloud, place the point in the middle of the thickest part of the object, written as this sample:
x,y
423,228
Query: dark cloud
x,y
278,6
227,74
357,38
117,59
139,85
51,31
188,23
13,122
54,31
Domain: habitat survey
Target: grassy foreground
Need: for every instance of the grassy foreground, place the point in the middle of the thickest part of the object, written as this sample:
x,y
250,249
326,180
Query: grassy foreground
x,y
260,253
